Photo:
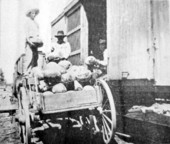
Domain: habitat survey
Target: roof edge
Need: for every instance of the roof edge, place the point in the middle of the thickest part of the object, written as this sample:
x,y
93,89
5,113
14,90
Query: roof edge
x,y
66,9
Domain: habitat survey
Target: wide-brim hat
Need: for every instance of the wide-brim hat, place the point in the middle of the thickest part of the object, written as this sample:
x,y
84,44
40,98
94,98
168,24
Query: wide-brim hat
x,y
60,34
32,10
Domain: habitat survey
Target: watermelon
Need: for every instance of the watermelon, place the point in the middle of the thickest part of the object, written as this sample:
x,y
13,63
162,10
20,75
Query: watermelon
x,y
65,64
59,88
51,73
67,77
53,70
90,60
88,87
37,72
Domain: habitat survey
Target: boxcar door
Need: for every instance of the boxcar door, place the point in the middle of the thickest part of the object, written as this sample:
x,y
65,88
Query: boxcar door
x,y
160,51
129,37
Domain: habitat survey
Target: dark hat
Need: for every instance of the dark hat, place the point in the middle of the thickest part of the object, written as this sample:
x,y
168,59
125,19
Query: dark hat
x,y
32,10
60,34
102,41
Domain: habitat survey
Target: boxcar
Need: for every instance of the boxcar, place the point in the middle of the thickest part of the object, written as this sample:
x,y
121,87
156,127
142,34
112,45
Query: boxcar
x,y
137,34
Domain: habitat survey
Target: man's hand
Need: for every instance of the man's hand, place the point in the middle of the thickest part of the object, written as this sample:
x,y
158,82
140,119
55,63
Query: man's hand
x,y
52,57
30,42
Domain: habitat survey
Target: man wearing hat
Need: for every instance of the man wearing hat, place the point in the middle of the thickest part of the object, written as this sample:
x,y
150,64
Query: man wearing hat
x,y
96,65
33,41
60,50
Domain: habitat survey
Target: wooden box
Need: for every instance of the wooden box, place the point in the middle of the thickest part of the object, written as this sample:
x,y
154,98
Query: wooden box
x,y
71,100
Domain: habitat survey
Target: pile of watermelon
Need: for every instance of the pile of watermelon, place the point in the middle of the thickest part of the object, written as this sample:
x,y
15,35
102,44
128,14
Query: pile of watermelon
x,y
61,77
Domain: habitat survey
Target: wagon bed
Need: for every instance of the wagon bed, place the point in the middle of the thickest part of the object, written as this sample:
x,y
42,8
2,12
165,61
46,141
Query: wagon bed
x,y
71,100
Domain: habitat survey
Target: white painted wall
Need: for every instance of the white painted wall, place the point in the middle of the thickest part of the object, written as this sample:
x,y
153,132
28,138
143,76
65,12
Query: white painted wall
x,y
128,34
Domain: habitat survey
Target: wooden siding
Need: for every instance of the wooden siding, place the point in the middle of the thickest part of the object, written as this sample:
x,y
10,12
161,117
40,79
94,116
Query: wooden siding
x,y
128,38
59,25
73,32
75,59
74,40
73,20
71,100
84,35
161,38
138,39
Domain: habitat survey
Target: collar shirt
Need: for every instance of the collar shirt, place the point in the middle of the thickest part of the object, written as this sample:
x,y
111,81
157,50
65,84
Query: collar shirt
x,y
105,56
32,29
104,62
61,50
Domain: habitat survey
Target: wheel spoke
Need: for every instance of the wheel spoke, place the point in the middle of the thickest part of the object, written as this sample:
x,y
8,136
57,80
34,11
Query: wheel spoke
x,y
108,119
107,126
23,133
107,111
88,121
105,132
105,103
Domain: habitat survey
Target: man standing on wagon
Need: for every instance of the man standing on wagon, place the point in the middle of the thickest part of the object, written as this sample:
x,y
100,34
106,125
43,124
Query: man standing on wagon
x,y
33,41
60,50
99,67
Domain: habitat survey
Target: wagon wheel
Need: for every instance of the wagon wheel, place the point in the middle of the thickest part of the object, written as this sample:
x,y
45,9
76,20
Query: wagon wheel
x,y
107,111
25,130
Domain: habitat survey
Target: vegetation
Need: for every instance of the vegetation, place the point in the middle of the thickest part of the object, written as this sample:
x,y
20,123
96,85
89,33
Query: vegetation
x,y
2,78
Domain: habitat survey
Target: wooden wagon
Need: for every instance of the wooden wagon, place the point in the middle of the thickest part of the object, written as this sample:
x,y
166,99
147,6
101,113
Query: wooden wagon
x,y
96,107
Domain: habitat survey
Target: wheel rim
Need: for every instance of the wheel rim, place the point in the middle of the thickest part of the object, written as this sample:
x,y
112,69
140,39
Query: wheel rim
x,y
108,112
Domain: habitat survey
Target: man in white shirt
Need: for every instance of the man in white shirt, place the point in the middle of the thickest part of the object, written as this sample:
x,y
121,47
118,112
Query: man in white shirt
x,y
99,67
60,50
33,41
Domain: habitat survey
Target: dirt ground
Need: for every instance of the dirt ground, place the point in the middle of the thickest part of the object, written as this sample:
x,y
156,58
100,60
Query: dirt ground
x,y
9,132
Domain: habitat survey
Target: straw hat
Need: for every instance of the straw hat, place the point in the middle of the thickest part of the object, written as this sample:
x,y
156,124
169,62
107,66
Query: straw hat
x,y
60,34
32,10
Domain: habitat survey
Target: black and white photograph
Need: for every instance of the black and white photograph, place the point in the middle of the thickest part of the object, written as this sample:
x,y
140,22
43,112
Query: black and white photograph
x,y
84,71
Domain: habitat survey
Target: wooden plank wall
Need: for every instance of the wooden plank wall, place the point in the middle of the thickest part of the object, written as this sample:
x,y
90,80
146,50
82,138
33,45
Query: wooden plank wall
x,y
128,35
161,36
138,36
84,35
59,25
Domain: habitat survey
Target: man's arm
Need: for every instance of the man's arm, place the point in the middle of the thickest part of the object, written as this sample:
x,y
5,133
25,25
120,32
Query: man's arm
x,y
103,62
68,50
